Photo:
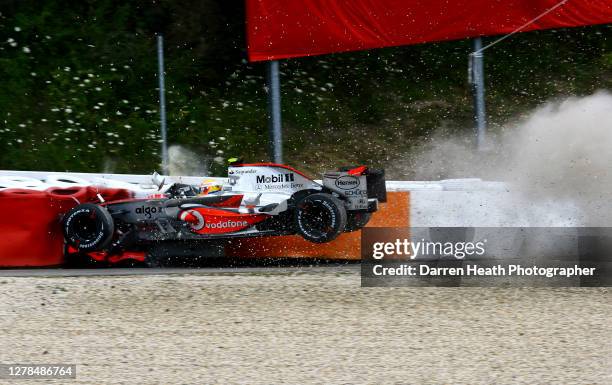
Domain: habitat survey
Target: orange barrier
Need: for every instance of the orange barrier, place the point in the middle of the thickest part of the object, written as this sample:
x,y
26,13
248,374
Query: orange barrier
x,y
394,213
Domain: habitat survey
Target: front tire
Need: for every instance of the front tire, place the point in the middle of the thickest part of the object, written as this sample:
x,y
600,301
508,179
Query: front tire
x,y
320,217
88,227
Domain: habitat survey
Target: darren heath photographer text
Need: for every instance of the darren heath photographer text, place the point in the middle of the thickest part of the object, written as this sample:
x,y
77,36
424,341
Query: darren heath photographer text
x,y
478,271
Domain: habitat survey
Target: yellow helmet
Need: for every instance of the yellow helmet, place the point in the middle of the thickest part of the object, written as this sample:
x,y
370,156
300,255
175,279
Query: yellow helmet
x,y
209,186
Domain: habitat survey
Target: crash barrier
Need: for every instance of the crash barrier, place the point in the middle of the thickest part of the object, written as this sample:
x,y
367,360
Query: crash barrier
x,y
33,201
30,226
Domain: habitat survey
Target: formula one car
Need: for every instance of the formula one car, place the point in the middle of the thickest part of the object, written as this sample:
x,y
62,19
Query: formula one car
x,y
255,200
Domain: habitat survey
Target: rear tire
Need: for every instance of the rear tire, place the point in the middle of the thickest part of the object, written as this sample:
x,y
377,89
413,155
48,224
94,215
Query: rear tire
x,y
320,217
88,227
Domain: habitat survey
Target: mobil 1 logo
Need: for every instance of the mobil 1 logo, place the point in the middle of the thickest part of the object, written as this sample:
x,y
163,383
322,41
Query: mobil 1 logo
x,y
277,181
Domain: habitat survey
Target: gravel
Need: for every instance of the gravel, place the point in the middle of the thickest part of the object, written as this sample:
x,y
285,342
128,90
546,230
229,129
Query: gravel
x,y
303,326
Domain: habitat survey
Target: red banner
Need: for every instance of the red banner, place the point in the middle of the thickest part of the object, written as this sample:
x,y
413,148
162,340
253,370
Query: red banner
x,y
278,29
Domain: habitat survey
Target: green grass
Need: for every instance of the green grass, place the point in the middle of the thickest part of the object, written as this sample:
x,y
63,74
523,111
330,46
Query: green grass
x,y
82,95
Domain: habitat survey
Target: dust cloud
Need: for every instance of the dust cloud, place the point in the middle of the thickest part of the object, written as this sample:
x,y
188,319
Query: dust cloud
x,y
561,152
183,161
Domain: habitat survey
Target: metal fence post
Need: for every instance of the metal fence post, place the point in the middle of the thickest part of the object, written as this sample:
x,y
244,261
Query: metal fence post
x,y
478,89
162,104
274,112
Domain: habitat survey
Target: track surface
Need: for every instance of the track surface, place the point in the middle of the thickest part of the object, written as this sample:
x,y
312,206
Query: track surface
x,y
165,271
299,325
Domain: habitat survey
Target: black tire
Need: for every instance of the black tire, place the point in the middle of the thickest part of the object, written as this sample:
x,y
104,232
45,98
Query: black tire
x,y
88,227
320,217
356,220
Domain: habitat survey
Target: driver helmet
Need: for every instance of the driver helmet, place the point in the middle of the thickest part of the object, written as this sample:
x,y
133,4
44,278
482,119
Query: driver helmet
x,y
209,186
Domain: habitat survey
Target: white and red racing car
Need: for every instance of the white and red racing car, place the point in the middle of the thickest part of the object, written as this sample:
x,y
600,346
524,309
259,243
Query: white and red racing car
x,y
255,200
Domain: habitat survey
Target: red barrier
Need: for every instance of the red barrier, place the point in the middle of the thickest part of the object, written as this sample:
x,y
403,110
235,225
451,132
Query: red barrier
x,y
30,232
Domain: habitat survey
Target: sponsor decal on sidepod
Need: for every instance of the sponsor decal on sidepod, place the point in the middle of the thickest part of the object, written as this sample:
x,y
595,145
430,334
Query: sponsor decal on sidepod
x,y
148,210
279,178
226,224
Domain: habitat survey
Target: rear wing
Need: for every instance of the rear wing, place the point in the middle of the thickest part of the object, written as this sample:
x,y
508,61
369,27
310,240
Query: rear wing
x,y
377,186
348,180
